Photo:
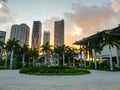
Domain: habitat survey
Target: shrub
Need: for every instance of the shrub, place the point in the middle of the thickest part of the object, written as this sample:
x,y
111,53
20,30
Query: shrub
x,y
1,63
104,65
90,66
3,67
18,65
51,70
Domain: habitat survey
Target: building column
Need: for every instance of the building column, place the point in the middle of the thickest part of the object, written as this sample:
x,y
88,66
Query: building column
x,y
100,58
117,58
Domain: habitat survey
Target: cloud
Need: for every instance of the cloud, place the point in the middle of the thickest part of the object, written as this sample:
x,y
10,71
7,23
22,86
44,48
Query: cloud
x,y
94,18
3,0
6,15
115,4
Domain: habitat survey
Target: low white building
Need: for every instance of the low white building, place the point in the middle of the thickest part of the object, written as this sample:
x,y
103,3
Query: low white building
x,y
104,55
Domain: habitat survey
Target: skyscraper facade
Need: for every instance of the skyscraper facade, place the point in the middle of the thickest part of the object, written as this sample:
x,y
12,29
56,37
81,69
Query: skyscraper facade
x,y
59,33
2,39
21,33
46,37
36,35
3,36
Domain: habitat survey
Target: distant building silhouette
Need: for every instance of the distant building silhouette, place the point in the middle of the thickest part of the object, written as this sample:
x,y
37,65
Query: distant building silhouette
x,y
3,36
2,39
46,37
59,33
36,35
21,33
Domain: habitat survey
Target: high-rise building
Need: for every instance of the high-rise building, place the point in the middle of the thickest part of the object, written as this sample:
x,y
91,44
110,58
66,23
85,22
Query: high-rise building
x,y
2,36
2,39
36,34
21,33
59,33
46,37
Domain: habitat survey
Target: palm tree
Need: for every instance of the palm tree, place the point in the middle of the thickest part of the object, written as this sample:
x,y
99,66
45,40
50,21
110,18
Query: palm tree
x,y
24,50
10,46
110,41
46,49
94,47
70,53
34,56
62,47
57,53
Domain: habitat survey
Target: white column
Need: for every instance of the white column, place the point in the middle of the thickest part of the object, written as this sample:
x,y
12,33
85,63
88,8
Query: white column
x,y
94,58
117,58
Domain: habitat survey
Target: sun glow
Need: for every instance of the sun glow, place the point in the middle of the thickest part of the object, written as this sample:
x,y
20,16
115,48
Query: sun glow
x,y
77,31
1,5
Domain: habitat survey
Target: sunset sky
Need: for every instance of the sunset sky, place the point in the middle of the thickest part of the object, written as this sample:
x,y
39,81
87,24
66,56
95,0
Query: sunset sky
x,y
82,17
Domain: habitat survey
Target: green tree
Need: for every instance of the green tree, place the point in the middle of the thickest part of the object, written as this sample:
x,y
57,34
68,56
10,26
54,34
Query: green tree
x,y
60,50
70,53
11,46
110,40
35,55
24,50
57,53
63,47
46,49
94,47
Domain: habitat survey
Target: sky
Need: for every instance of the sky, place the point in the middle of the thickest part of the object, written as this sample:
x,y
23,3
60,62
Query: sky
x,y
82,17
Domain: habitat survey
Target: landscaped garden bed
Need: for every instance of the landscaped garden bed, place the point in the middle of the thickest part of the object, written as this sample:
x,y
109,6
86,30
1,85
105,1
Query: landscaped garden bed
x,y
53,71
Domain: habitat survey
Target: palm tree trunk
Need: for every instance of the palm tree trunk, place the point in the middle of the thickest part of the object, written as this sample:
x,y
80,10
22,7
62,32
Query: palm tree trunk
x,y
94,56
45,61
33,63
11,60
84,60
23,60
6,60
57,59
89,58
63,59
111,64
73,61
0,52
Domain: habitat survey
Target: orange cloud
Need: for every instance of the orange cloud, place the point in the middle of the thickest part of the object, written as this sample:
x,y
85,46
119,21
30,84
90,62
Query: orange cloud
x,y
93,18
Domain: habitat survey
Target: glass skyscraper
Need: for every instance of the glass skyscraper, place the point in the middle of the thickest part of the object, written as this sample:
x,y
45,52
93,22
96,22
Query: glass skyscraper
x,y
36,35
46,37
59,33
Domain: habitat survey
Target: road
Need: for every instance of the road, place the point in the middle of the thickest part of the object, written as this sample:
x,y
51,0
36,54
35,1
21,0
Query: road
x,y
97,80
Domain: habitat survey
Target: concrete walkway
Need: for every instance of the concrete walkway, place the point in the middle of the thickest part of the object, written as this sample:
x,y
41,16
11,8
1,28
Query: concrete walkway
x,y
98,80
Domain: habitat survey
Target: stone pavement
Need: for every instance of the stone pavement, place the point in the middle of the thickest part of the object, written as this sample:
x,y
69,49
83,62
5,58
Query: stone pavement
x,y
97,80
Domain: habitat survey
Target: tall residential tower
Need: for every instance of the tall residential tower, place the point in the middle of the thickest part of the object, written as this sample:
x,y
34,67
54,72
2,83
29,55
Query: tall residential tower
x,y
36,35
21,33
59,33
46,37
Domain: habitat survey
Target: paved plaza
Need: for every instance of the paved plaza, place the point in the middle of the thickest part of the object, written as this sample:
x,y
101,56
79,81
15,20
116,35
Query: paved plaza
x,y
97,80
